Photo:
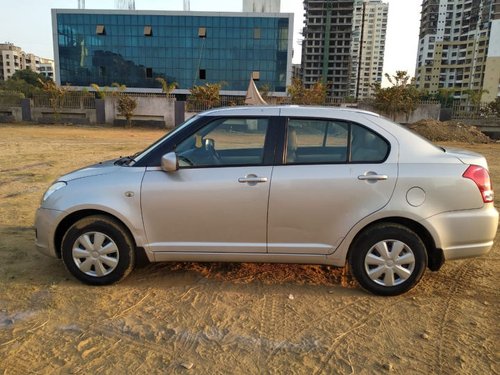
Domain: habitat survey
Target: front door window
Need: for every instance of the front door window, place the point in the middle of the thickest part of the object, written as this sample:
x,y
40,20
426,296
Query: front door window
x,y
225,142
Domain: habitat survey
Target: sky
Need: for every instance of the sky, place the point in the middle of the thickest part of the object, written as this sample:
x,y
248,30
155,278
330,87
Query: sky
x,y
27,24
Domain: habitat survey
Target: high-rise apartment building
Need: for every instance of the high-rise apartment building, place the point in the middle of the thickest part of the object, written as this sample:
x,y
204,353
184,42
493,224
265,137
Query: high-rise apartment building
x,y
368,46
455,47
13,58
343,47
491,83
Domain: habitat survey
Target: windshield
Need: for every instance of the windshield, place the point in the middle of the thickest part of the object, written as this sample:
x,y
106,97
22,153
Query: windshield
x,y
138,156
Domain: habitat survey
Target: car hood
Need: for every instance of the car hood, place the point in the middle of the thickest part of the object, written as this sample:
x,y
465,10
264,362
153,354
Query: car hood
x,y
467,157
101,168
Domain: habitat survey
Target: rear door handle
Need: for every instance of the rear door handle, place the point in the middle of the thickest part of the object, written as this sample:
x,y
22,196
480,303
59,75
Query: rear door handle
x,y
373,177
252,179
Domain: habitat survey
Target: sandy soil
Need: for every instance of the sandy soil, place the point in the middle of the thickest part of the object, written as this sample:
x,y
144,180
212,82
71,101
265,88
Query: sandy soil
x,y
220,318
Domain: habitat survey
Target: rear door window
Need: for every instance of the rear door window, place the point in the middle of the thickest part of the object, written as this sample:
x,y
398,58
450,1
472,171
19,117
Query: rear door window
x,y
317,141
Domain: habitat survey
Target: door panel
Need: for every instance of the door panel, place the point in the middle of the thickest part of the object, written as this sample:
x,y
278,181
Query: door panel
x,y
206,209
217,200
312,207
336,173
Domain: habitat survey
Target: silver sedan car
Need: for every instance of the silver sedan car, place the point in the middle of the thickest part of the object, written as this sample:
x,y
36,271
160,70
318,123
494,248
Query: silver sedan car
x,y
282,184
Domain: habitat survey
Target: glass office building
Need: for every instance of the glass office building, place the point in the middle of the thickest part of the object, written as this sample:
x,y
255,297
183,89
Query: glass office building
x,y
190,48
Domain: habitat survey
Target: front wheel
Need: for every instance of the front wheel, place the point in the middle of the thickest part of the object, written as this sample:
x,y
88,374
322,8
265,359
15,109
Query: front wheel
x,y
388,259
98,250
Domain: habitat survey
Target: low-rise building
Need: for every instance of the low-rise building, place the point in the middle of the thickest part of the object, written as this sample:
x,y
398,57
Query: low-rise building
x,y
13,58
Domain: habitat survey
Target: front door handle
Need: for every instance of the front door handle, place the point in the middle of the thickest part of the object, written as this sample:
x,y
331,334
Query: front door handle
x,y
372,176
252,179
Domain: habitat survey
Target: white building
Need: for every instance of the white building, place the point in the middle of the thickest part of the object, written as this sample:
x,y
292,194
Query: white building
x,y
261,6
13,58
46,68
368,46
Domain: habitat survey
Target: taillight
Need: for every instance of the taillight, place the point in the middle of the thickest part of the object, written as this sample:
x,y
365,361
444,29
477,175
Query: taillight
x,y
481,177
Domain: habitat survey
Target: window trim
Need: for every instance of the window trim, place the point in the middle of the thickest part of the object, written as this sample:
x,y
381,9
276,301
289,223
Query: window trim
x,y
153,158
267,158
284,142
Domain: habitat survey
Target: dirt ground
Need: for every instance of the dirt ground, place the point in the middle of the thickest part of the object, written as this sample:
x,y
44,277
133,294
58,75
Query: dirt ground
x,y
215,318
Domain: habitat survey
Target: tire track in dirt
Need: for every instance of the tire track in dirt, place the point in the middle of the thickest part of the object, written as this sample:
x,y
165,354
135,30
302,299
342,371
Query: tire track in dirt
x,y
267,331
448,315
284,331
184,336
349,319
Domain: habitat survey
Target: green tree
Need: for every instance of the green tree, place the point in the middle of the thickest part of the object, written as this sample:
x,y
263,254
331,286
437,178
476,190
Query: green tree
x,y
117,89
445,96
205,96
474,96
296,91
166,87
493,108
26,82
300,95
101,92
401,97
30,77
10,98
316,94
126,108
56,96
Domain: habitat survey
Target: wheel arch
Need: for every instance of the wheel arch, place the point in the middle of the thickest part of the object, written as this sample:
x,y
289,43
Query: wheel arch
x,y
435,256
73,217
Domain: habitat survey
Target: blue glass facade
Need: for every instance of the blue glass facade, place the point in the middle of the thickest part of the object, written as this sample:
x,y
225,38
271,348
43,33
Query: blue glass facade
x,y
190,48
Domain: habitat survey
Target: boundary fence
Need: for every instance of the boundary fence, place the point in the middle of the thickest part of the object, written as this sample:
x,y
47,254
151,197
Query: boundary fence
x,y
10,99
68,101
472,112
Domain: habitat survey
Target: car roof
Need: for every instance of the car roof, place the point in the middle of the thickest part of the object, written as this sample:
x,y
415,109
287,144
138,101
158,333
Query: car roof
x,y
285,110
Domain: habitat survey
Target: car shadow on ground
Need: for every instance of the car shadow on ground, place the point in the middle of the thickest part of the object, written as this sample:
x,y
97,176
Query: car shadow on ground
x,y
20,262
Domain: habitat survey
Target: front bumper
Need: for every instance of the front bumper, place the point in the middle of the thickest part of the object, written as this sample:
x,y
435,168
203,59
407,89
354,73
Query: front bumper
x,y
465,234
46,221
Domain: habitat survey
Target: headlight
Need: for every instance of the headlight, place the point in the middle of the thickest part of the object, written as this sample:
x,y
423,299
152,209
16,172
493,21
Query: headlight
x,y
56,186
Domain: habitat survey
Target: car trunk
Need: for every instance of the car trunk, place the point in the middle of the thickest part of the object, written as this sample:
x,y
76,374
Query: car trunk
x,y
467,157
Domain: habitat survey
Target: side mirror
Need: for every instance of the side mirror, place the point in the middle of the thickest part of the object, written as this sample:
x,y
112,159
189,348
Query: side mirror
x,y
209,144
169,162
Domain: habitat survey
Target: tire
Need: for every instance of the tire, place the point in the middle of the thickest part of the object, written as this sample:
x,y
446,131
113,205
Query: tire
x,y
388,259
110,262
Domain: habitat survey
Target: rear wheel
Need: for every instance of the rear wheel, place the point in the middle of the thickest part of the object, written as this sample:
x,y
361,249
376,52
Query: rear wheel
x,y
388,259
98,250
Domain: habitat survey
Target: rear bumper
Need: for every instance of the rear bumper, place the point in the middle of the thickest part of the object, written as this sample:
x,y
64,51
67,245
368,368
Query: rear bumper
x,y
465,234
45,223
